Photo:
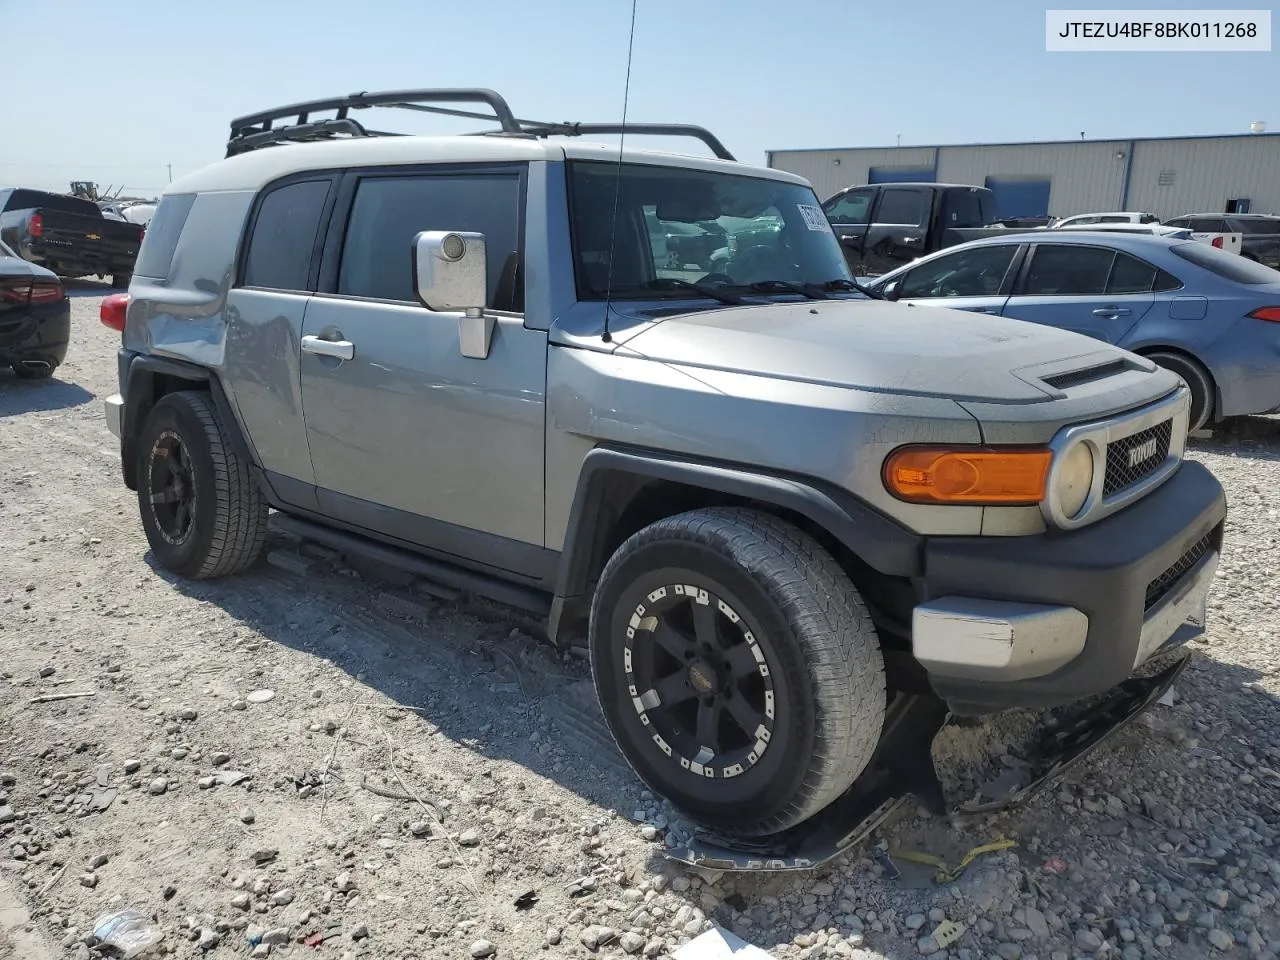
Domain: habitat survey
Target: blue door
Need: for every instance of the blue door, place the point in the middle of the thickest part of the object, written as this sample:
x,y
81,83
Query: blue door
x,y
1020,196
900,175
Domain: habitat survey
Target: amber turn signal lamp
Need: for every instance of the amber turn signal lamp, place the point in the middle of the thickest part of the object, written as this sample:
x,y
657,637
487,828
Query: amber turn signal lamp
x,y
974,475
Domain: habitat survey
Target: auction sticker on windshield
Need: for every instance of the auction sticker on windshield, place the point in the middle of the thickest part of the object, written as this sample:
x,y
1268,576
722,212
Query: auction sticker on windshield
x,y
814,218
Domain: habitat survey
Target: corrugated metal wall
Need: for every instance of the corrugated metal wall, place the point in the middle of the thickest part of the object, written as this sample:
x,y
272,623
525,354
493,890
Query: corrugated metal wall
x,y
1206,174
819,167
1086,177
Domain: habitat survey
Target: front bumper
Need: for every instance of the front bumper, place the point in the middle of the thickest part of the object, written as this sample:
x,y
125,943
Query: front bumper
x,y
113,408
1045,620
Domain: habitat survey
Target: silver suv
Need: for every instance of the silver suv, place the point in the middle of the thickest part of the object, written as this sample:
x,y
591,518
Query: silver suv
x,y
775,505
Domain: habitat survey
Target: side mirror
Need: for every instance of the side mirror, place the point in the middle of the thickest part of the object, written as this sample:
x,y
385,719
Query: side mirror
x,y
891,290
450,274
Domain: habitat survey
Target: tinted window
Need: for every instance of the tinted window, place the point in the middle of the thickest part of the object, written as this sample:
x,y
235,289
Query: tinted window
x,y
377,253
284,236
962,208
1068,271
901,206
1229,265
854,207
977,272
1209,225
1078,221
1256,226
1131,275
1184,222
161,239
1115,219
1166,281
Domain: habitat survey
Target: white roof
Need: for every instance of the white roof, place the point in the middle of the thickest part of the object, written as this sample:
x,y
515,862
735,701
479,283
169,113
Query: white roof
x,y
252,170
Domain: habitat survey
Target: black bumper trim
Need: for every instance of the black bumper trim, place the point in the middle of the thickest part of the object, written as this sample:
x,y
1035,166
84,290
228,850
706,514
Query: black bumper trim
x,y
1105,570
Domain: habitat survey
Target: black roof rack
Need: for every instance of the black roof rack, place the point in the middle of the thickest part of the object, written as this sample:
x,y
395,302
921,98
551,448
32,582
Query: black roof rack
x,y
256,130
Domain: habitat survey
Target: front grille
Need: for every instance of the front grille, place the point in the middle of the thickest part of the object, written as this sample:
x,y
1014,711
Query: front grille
x,y
1162,584
1136,457
1074,378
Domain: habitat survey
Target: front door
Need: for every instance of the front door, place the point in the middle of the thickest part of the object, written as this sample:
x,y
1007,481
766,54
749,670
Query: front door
x,y
407,436
850,214
1096,291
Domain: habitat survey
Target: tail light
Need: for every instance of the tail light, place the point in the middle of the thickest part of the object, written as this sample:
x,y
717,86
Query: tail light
x,y
46,292
1217,242
35,226
113,310
1266,313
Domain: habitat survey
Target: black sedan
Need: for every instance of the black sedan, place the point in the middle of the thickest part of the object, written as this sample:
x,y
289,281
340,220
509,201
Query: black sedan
x,y
35,317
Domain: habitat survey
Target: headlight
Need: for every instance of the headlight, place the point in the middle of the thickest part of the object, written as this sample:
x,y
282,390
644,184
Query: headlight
x,y
1075,480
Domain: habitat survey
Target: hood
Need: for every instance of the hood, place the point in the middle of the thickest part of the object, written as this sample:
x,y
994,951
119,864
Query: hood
x,y
878,347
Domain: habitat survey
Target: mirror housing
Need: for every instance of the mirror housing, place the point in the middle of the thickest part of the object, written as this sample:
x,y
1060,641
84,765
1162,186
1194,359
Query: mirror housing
x,y
450,274
891,290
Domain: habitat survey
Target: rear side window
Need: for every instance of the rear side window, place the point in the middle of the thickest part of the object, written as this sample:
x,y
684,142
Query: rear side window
x,y
1068,271
283,243
161,238
388,212
1230,266
901,207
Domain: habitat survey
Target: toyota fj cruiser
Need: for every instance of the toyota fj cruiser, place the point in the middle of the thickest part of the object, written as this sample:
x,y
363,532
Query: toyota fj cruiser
x,y
777,507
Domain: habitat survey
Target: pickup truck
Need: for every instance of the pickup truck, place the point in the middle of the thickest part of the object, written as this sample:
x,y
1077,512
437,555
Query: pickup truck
x,y
1260,235
882,226
68,235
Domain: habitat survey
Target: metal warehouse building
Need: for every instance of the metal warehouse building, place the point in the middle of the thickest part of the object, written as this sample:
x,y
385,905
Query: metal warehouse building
x,y
1165,176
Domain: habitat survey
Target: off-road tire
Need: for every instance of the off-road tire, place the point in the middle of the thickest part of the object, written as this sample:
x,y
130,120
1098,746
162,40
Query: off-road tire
x,y
1198,381
822,653
228,515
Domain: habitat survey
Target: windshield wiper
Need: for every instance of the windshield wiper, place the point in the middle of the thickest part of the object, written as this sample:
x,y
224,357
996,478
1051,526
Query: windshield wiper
x,y
764,285
842,284
675,283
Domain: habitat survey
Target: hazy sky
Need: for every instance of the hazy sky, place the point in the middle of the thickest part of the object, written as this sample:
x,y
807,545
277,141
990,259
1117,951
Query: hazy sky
x,y
115,93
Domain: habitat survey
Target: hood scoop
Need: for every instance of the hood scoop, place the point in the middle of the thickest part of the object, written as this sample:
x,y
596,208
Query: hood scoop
x,y
1074,378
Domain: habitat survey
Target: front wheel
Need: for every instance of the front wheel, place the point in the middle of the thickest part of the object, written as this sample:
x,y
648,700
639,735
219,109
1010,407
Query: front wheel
x,y
203,513
737,668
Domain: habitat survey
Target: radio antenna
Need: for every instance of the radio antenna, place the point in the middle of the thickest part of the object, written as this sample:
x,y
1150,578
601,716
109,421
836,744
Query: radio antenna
x,y
617,185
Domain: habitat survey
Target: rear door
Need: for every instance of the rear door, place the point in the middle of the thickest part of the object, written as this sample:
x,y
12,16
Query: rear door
x,y
1094,290
975,279
899,228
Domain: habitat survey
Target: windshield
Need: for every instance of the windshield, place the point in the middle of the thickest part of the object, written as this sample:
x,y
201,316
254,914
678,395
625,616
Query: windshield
x,y
677,224
1229,265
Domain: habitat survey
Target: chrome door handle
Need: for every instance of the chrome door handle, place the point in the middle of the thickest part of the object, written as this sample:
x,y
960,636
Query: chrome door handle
x,y
1112,312
340,349
979,309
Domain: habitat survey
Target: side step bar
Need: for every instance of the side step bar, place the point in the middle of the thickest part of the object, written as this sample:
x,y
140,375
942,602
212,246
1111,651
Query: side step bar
x,y
467,581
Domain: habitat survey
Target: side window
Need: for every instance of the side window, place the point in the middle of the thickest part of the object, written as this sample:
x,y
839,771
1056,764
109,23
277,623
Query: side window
x,y
1166,282
388,212
1078,221
901,207
1131,275
1209,225
284,236
1064,271
161,239
1183,223
978,272
1114,220
852,208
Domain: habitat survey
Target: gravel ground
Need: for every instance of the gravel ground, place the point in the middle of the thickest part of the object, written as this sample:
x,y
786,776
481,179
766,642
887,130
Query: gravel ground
x,y
312,750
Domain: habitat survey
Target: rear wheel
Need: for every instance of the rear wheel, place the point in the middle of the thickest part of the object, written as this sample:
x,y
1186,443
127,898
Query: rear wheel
x,y
1198,382
737,668
202,511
